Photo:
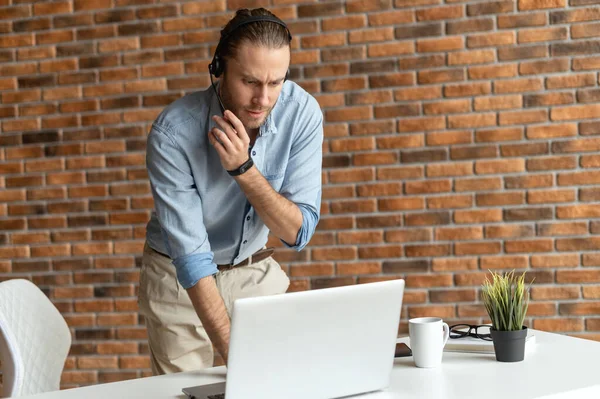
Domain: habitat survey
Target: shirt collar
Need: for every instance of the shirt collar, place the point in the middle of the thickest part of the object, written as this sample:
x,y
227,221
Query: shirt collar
x,y
269,126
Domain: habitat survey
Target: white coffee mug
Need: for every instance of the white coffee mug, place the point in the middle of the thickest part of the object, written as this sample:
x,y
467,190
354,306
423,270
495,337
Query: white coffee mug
x,y
428,335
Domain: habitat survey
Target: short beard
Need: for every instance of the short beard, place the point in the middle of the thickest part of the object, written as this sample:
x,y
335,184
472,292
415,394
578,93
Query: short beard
x,y
228,103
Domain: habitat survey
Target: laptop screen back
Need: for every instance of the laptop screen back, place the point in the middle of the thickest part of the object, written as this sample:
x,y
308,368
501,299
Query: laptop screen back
x,y
314,344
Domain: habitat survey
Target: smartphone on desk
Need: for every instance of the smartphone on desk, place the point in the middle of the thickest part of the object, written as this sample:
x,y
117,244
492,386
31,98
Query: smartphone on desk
x,y
402,350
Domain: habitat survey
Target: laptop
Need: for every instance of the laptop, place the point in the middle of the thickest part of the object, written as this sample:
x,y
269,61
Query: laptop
x,y
325,343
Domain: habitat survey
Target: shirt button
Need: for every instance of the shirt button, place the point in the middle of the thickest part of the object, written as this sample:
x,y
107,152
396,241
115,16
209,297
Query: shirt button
x,y
245,241
253,153
247,217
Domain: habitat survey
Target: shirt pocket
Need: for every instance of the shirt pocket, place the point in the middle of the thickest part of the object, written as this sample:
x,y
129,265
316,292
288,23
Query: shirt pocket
x,y
275,178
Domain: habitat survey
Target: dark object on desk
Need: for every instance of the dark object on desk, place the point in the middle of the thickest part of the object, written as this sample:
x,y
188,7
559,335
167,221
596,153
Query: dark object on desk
x,y
482,331
509,346
402,350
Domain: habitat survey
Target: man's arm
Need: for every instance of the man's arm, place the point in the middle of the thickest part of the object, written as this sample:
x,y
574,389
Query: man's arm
x,y
179,210
279,214
212,313
293,213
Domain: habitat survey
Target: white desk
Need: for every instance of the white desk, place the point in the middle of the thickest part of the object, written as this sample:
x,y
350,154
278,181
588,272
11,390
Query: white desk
x,y
558,367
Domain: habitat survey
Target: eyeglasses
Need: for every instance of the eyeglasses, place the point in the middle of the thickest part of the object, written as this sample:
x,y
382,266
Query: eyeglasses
x,y
466,330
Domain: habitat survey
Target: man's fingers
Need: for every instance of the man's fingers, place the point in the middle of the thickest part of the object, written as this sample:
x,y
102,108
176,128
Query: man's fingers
x,y
237,124
221,138
225,127
214,141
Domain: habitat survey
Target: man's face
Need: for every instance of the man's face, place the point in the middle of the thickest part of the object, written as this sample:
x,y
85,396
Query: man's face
x,y
252,82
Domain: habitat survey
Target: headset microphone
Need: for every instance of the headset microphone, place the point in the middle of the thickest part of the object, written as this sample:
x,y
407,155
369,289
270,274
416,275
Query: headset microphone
x,y
218,96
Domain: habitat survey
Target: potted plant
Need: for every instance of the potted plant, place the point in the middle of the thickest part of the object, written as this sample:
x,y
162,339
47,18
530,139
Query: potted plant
x,y
506,300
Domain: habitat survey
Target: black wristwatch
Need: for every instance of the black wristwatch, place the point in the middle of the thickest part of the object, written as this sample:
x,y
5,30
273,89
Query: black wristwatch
x,y
243,168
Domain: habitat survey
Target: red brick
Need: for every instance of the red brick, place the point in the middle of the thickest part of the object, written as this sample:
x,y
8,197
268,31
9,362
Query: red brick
x,y
471,57
391,17
437,45
529,246
443,311
542,35
110,348
580,309
453,264
388,251
421,124
435,76
500,166
425,280
403,203
426,250
470,279
370,35
129,247
117,319
339,253
447,107
79,377
491,39
354,206
92,248
559,325
324,40
478,216
470,25
392,142
471,120
51,250
27,238
351,175
461,295
46,193
359,268
448,138
476,248
20,251
458,233
472,311
586,63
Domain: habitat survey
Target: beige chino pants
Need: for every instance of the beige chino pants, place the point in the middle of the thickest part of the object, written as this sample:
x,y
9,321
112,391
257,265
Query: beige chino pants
x,y
177,340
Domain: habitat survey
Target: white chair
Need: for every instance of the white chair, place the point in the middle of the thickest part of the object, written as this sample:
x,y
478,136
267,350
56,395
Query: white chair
x,y
34,340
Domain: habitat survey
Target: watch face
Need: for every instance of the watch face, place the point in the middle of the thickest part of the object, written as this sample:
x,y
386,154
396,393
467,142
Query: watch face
x,y
247,165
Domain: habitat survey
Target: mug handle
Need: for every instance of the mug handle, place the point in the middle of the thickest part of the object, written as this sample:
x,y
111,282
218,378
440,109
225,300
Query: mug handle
x,y
446,333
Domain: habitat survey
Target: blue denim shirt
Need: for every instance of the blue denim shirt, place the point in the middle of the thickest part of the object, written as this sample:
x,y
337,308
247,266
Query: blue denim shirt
x,y
202,218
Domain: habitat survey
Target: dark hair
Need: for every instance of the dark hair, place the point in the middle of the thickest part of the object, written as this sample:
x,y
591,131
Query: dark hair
x,y
263,33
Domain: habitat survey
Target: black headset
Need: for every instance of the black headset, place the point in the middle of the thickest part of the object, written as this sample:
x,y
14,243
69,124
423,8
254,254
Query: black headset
x,y
217,66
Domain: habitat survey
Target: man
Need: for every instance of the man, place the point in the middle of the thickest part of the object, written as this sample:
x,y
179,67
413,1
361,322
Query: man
x,y
221,181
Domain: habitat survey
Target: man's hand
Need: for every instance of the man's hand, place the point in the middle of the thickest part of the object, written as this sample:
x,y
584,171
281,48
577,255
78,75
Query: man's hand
x,y
231,141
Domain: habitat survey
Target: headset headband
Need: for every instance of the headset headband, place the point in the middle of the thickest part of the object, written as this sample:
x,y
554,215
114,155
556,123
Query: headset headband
x,y
216,66
249,20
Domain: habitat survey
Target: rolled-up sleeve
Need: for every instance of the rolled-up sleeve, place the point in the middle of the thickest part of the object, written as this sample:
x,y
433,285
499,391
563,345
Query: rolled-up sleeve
x,y
178,208
302,182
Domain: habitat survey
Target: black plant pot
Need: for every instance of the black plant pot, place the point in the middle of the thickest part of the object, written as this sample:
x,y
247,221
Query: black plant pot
x,y
509,345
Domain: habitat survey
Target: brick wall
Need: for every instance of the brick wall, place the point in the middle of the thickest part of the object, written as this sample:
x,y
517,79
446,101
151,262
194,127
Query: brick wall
x,y
461,136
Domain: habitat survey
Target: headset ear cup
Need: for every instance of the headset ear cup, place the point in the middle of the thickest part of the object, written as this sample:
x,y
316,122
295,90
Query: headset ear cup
x,y
216,67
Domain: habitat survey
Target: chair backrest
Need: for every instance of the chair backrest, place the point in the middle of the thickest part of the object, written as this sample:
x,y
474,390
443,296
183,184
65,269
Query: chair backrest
x,y
34,340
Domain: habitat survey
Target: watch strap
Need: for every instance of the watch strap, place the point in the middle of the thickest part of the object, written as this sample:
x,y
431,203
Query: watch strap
x,y
242,169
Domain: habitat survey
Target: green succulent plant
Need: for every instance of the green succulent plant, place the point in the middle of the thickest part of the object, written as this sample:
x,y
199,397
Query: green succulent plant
x,y
506,299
